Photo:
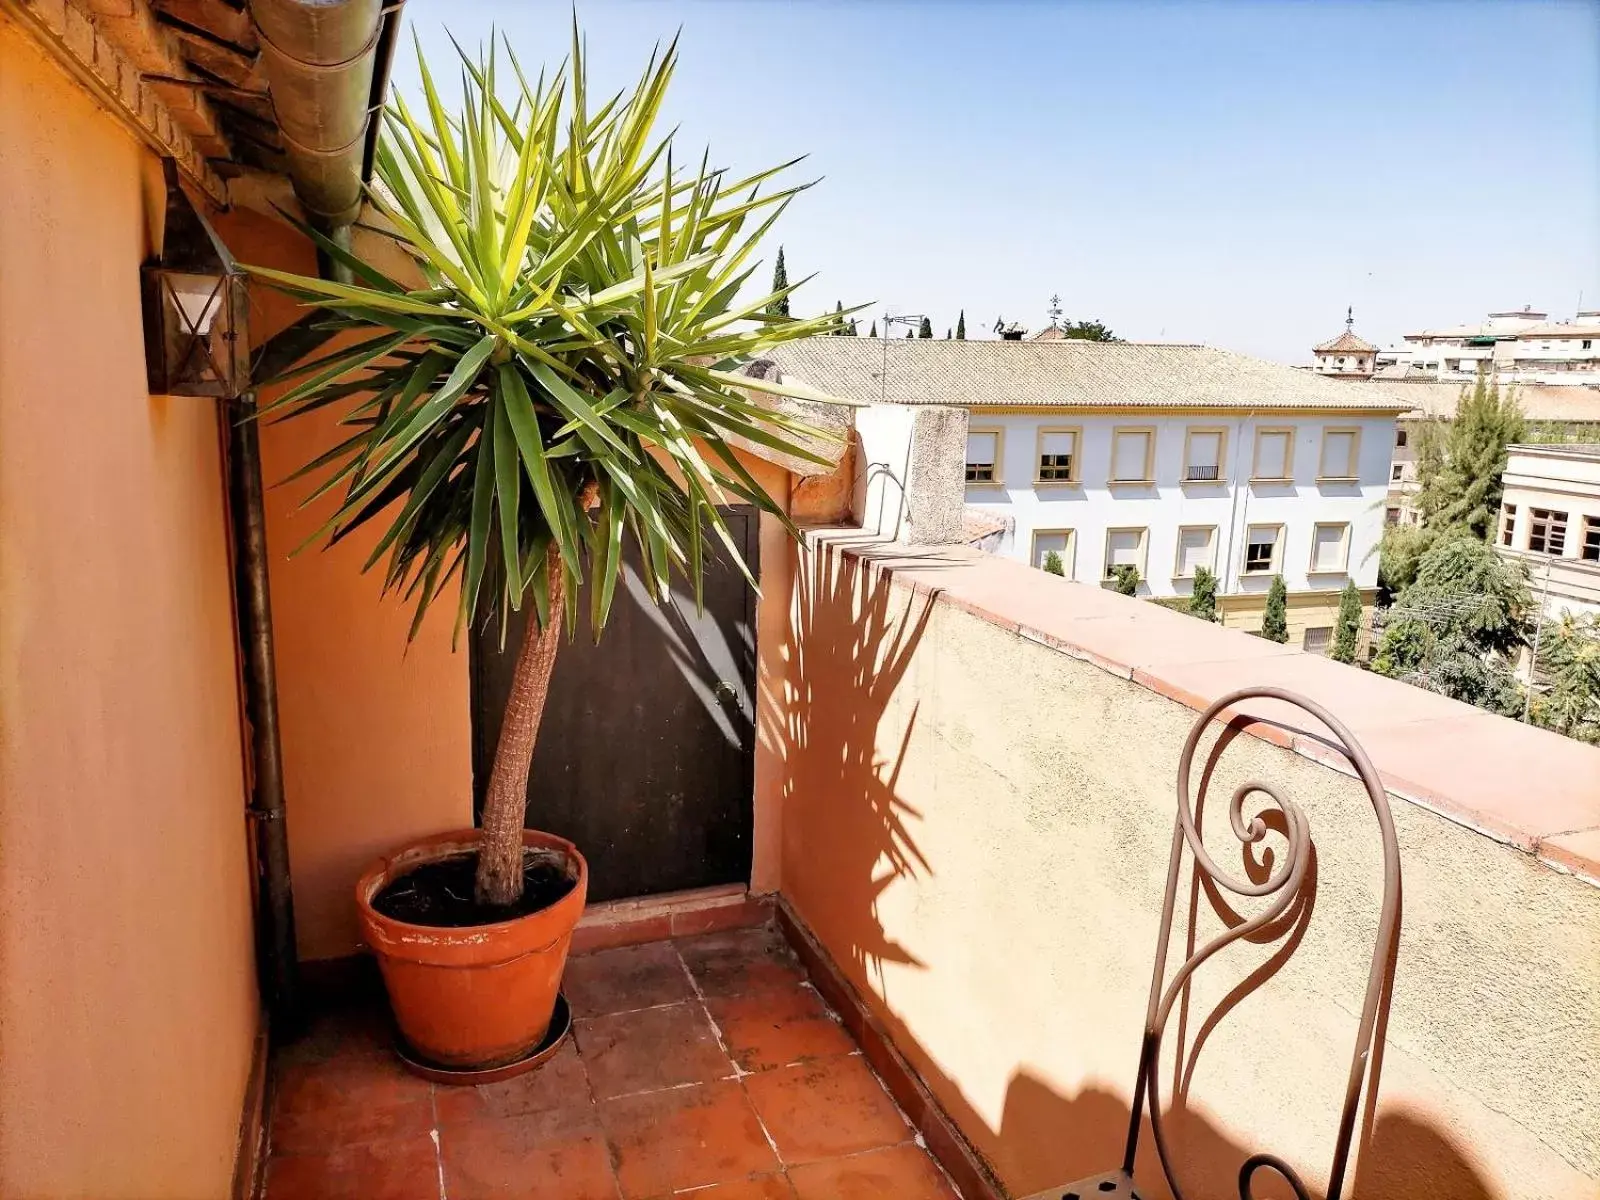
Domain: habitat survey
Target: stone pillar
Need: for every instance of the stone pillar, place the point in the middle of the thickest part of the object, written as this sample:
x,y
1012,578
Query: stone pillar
x,y
936,487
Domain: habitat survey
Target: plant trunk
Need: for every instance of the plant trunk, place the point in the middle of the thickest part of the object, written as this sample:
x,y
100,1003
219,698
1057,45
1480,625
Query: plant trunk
x,y
499,880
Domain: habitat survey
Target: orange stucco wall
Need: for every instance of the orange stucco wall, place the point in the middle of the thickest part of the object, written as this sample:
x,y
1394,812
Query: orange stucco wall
x,y
976,825
127,986
376,736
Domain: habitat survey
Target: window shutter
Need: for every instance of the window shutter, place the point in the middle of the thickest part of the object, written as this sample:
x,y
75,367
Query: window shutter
x,y
1129,460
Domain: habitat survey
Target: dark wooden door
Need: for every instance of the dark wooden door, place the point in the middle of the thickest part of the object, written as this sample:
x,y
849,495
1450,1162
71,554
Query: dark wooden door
x,y
645,758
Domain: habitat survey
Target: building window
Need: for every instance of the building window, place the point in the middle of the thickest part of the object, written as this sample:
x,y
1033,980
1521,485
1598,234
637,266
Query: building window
x,y
983,456
1400,437
1590,552
1397,472
1202,455
1318,640
1197,547
1330,548
1588,343
1133,455
1058,455
1125,548
1508,524
1273,460
1391,516
1339,449
1061,541
1261,549
1547,531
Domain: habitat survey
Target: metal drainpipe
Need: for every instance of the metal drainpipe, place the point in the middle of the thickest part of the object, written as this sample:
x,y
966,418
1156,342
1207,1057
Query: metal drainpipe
x,y
280,959
327,66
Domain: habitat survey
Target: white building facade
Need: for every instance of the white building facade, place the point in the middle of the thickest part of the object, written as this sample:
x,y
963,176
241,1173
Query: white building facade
x,y
1163,458
1550,520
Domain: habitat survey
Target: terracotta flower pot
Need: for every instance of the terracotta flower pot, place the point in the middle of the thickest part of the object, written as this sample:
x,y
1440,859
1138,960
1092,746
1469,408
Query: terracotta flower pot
x,y
479,996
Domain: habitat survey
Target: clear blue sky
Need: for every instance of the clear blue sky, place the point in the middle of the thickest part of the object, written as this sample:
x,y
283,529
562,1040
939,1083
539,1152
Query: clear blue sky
x,y
1228,173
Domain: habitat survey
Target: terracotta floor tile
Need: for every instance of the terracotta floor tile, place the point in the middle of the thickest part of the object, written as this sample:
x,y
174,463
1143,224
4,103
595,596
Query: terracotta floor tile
x,y
825,1109
904,1172
405,1169
356,1030
650,1049
741,962
611,981
778,1028
557,1155
759,1187
685,1137
559,1083
322,1105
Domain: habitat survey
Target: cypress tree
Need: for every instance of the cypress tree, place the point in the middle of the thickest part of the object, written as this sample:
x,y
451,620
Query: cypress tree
x,y
910,334
947,333
780,280
873,332
1348,630
1203,597
850,330
838,319
926,329
1465,492
1275,620
961,326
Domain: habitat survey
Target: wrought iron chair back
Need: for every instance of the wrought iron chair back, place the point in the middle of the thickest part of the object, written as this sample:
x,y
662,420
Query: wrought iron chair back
x,y
1282,883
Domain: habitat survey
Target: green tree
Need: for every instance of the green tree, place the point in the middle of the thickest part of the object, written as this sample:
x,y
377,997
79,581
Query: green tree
x,y
1464,492
1457,628
850,330
1347,631
910,333
840,329
1087,331
961,326
1275,617
517,416
1127,577
779,305
925,330
1400,552
947,334
1569,659
1053,564
1203,596
873,332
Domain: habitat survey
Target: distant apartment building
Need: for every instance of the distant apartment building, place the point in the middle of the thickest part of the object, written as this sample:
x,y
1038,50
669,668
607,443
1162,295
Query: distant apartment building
x,y
1165,458
1550,520
1551,412
1521,346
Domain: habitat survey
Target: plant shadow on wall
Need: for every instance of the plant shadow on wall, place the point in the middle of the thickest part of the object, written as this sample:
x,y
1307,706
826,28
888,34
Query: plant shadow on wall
x,y
852,646
848,742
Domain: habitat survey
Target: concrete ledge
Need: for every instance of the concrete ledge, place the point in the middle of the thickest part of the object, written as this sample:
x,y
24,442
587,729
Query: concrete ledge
x,y
1525,787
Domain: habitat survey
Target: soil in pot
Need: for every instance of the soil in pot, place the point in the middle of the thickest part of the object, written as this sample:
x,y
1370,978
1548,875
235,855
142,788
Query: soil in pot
x,y
440,893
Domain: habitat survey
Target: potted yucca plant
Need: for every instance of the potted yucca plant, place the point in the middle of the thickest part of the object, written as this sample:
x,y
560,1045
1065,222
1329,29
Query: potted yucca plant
x,y
565,378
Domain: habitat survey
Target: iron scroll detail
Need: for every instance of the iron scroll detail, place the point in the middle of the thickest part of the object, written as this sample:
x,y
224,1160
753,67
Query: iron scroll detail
x,y
1282,883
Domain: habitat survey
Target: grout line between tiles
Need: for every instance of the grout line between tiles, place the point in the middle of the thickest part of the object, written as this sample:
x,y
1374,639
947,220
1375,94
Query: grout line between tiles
x,y
433,1133
739,1073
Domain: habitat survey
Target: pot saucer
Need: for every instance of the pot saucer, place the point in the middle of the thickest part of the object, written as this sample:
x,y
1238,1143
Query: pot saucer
x,y
560,1026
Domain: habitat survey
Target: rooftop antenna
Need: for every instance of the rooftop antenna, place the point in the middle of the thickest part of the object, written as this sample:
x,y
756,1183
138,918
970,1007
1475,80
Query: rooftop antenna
x,y
1349,318
909,319
1055,312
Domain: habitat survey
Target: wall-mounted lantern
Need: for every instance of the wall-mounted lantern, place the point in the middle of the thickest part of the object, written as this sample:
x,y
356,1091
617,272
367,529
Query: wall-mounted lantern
x,y
196,307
